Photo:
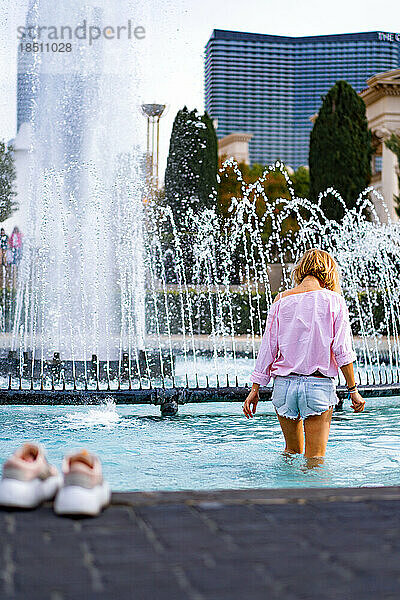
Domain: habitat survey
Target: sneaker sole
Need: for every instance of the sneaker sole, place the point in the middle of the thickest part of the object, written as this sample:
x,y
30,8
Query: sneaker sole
x,y
28,494
77,500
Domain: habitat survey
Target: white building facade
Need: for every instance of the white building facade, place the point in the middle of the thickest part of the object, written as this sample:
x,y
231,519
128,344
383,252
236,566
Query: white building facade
x,y
382,99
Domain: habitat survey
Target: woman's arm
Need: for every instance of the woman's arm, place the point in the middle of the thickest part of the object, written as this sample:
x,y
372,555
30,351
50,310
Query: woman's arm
x,y
266,356
342,347
250,404
357,401
348,372
268,349
344,354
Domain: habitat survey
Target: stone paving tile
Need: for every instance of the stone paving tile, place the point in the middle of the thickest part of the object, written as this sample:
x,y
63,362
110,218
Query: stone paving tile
x,y
216,549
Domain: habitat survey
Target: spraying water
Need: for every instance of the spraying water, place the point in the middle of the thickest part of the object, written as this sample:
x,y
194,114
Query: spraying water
x,y
103,275
223,293
81,289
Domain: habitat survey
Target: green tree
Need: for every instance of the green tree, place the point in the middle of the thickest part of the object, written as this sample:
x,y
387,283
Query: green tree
x,y
340,149
273,187
393,143
190,179
301,182
208,175
7,182
191,173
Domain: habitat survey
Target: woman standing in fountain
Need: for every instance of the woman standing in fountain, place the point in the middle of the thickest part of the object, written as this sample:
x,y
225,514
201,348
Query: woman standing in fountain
x,y
307,338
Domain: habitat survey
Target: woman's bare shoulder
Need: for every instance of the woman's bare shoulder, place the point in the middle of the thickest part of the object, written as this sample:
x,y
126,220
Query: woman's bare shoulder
x,y
282,295
289,292
279,296
296,292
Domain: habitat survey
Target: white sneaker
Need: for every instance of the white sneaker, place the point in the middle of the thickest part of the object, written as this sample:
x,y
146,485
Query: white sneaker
x,y
28,479
84,491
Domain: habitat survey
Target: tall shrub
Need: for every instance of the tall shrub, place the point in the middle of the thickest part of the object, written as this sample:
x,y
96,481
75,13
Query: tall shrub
x,y
340,149
191,173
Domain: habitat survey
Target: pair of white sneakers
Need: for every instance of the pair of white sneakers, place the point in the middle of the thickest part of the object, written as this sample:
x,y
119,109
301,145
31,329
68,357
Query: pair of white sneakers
x,y
28,480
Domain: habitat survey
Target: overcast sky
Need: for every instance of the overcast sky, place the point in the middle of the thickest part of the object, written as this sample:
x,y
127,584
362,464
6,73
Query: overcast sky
x,y
176,33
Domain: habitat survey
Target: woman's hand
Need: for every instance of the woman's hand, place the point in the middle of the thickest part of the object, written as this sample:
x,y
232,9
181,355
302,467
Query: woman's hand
x,y
250,404
357,402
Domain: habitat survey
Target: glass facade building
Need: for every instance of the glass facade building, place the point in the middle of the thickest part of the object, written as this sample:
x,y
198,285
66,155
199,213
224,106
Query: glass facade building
x,y
271,85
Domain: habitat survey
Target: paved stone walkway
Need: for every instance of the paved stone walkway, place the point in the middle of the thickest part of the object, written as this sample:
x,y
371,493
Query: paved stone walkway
x,y
341,544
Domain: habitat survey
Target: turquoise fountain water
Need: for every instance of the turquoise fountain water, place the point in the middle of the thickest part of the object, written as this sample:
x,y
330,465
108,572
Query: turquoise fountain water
x,y
210,446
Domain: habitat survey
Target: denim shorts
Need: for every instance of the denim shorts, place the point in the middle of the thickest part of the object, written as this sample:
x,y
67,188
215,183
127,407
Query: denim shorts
x,y
303,396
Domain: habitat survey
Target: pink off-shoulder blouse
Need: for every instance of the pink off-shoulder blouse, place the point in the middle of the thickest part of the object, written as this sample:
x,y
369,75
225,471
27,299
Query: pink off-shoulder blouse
x,y
305,332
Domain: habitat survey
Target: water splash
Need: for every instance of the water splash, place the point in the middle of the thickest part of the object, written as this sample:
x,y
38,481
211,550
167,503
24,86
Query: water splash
x,y
104,415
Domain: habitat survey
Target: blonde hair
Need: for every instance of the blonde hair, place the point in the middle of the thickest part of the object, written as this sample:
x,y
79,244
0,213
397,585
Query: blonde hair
x,y
321,265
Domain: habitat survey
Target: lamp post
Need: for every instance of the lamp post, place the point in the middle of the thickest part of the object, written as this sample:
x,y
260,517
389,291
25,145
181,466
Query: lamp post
x,y
153,114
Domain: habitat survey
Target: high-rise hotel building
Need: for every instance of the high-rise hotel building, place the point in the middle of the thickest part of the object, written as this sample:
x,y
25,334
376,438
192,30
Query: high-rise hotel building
x,y
270,85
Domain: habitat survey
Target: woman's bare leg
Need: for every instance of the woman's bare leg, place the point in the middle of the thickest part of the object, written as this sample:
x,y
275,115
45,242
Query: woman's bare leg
x,y
293,432
317,432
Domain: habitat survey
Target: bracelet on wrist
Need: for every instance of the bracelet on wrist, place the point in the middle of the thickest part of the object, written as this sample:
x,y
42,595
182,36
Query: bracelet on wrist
x,y
351,388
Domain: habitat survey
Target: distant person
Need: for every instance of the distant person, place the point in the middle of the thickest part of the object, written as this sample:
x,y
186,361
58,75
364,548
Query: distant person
x,y
15,245
3,246
307,338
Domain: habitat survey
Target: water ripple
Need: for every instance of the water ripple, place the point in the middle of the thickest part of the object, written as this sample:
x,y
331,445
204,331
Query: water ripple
x,y
210,446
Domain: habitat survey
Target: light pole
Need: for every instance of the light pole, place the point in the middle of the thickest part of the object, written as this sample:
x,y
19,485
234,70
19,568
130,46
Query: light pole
x,y
153,114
